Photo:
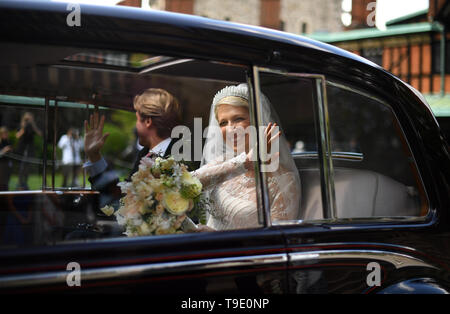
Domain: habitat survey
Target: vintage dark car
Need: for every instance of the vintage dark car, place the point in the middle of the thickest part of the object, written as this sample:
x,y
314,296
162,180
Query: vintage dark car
x,y
373,215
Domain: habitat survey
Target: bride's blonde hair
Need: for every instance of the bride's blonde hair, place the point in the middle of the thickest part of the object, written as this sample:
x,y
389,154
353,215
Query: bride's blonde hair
x,y
231,95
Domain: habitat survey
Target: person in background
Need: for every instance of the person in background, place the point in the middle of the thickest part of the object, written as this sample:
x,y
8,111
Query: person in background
x,y
5,162
71,145
25,147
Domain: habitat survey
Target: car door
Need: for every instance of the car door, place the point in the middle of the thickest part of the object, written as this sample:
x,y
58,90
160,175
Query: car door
x,y
365,222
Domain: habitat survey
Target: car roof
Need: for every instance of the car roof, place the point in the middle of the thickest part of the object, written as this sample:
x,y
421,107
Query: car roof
x,y
183,35
43,15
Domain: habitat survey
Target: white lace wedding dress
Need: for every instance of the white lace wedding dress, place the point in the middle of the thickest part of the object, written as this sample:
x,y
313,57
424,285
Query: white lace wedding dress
x,y
233,194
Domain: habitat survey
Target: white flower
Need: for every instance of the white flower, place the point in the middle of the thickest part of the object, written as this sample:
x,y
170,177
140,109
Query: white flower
x,y
142,167
157,185
125,186
144,229
134,219
164,224
121,220
143,190
147,162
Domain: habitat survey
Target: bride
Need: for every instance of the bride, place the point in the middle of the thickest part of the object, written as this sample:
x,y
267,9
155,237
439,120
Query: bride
x,y
227,171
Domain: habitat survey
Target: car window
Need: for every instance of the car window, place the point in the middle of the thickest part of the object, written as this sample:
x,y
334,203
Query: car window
x,y
373,169
71,203
295,182
375,174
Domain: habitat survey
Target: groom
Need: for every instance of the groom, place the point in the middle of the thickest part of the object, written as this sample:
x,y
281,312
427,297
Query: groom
x,y
157,112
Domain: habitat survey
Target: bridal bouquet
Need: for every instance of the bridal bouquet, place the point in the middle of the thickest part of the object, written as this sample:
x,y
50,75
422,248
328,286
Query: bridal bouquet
x,y
157,198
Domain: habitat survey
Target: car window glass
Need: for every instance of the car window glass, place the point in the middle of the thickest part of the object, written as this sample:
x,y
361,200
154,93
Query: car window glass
x,y
374,170
294,187
70,205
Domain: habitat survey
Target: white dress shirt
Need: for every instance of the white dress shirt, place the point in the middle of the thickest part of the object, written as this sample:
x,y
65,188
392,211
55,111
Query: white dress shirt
x,y
161,148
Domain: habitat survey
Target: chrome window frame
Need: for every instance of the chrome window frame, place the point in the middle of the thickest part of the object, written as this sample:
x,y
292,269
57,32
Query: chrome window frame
x,y
325,153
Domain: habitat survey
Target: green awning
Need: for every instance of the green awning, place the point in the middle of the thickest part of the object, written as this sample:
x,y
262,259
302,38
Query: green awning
x,y
38,101
440,105
368,33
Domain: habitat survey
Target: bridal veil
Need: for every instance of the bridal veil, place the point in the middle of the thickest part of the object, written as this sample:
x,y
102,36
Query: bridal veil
x,y
230,185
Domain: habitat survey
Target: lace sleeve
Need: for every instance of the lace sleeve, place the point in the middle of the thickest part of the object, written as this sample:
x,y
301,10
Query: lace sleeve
x,y
216,172
285,196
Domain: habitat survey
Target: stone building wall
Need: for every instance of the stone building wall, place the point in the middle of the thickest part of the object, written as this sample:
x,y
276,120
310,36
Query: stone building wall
x,y
247,12
309,16
295,16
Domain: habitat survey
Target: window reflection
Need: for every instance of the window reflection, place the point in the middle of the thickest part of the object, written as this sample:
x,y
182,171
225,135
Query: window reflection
x,y
385,181
21,153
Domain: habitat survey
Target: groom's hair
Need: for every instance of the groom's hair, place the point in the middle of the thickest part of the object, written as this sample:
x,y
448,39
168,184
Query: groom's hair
x,y
162,107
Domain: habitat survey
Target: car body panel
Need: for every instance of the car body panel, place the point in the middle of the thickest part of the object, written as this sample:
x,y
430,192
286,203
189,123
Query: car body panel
x,y
147,262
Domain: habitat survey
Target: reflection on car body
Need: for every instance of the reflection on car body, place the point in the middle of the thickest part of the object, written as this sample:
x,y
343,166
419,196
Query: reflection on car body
x,y
374,170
